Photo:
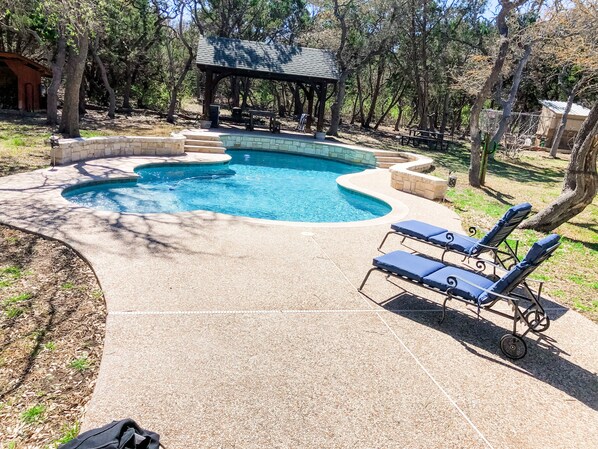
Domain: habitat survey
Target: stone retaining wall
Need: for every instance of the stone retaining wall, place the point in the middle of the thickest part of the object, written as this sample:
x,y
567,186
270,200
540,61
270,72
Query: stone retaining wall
x,y
405,177
343,153
81,149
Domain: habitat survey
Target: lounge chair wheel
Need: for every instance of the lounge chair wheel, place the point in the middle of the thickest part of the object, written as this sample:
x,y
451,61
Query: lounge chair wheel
x,y
537,321
513,346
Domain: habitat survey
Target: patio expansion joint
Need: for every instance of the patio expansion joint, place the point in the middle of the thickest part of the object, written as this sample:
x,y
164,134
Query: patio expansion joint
x,y
406,348
264,312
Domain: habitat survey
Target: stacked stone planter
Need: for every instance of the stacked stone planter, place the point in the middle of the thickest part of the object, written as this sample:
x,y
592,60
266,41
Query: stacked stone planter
x,y
81,149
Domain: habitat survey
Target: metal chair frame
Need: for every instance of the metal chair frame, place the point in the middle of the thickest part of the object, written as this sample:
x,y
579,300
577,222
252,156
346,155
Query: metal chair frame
x,y
534,316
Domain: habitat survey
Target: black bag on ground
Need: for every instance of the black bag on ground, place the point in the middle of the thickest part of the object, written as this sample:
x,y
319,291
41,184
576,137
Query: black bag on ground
x,y
124,434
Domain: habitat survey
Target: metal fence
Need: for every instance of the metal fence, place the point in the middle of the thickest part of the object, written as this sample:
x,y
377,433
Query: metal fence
x,y
520,133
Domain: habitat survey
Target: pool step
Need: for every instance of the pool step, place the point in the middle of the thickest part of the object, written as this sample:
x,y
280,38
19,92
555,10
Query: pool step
x,y
203,149
387,161
201,142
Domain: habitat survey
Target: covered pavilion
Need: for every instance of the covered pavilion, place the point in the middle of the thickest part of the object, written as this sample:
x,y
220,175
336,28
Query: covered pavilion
x,y
310,68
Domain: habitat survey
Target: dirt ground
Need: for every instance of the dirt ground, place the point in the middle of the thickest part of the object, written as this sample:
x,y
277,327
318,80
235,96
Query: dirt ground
x,y
52,317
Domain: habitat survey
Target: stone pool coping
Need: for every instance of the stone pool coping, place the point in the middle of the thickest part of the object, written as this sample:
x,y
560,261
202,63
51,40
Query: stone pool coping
x,y
406,176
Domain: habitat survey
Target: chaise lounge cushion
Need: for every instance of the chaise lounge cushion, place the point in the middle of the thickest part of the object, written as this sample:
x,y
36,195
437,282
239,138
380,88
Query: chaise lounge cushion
x,y
408,265
460,242
513,277
517,211
439,280
505,225
417,229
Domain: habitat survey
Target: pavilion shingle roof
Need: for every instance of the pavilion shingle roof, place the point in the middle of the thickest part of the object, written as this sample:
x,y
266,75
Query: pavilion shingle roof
x,y
277,59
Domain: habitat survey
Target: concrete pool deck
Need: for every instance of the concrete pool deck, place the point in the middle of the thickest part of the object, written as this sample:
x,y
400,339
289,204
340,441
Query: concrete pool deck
x,y
230,332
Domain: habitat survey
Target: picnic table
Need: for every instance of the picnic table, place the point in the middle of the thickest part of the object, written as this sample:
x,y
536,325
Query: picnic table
x,y
433,139
273,125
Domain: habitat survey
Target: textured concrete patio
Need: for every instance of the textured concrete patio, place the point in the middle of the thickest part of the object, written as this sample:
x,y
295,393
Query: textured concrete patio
x,y
229,332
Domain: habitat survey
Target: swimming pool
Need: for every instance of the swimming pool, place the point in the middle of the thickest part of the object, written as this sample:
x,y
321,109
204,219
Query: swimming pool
x,y
257,184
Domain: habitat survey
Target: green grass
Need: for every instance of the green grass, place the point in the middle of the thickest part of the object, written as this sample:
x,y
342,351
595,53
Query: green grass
x,y
80,364
584,307
68,433
50,346
33,414
13,312
12,272
92,133
469,198
67,286
18,298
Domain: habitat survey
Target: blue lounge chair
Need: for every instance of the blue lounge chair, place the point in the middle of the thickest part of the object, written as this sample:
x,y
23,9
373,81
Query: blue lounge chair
x,y
467,245
477,289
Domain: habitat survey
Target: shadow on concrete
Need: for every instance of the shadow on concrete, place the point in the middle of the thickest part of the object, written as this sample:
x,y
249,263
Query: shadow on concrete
x,y
134,235
543,361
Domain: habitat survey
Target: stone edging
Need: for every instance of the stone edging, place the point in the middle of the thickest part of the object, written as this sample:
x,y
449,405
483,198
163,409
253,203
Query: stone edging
x,y
344,153
82,149
406,177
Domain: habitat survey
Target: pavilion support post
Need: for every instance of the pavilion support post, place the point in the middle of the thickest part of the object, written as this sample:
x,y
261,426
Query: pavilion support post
x,y
321,107
208,96
235,91
310,107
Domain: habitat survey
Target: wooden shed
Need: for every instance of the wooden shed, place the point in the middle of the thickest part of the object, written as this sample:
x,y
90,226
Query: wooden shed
x,y
550,119
21,83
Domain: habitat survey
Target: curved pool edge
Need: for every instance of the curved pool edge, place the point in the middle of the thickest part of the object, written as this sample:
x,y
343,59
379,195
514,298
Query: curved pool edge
x,y
397,212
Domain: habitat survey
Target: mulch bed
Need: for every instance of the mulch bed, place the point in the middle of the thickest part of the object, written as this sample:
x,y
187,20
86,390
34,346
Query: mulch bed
x,y
52,319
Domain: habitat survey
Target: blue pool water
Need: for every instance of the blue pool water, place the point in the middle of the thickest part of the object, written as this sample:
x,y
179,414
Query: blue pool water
x,y
256,184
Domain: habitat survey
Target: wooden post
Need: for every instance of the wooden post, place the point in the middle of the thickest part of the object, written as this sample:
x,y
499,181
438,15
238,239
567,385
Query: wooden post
x,y
310,107
208,94
321,107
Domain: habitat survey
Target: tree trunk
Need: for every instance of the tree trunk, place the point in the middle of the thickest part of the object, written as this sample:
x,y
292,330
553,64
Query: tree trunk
x,y
375,93
361,100
474,125
561,129
127,89
77,55
399,118
581,180
57,67
474,120
397,97
337,106
176,88
354,111
445,109
104,75
246,89
508,104
82,104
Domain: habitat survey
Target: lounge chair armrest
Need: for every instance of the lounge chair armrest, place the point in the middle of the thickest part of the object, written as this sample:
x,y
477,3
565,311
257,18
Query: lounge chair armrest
x,y
482,264
454,280
450,236
538,281
472,231
489,248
